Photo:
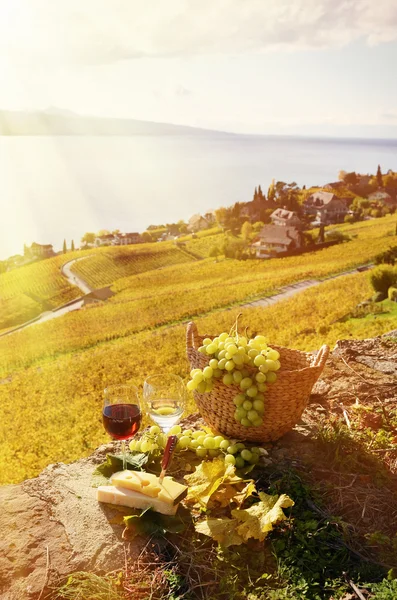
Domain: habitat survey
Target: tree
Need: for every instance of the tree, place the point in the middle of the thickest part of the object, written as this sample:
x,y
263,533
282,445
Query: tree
x,y
271,192
26,250
65,249
215,252
350,178
220,216
321,237
146,236
116,231
261,197
379,177
88,238
72,246
246,231
103,232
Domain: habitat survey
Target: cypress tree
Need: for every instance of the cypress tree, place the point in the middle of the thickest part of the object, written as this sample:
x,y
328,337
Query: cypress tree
x,y
72,246
65,249
379,177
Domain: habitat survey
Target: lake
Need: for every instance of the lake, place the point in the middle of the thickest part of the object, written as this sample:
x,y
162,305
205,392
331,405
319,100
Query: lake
x,y
58,187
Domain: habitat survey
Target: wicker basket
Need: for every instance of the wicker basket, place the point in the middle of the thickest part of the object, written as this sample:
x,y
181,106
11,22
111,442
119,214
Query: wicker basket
x,y
285,400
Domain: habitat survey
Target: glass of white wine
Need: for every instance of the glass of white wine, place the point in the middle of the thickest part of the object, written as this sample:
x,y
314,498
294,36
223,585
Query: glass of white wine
x,y
164,397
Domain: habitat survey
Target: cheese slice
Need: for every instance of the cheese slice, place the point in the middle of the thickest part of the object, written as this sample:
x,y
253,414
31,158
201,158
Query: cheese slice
x,y
132,499
169,491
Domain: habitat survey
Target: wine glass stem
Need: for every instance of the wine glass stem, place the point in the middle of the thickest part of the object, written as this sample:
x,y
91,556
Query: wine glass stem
x,y
124,455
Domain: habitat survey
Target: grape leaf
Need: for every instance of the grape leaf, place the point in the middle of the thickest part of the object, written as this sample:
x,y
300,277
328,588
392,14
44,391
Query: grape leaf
x,y
223,531
114,463
259,519
207,478
149,522
226,494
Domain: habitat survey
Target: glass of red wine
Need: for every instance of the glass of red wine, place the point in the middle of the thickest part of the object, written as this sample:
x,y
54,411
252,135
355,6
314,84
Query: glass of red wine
x,y
121,414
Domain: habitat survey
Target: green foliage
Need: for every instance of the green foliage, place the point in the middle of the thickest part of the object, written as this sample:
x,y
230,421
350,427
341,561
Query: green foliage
x,y
385,590
392,294
246,231
88,238
88,586
388,257
337,236
150,522
147,237
383,277
114,463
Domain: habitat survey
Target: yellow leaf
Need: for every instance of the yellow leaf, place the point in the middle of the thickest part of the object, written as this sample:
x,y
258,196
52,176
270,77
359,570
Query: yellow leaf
x,y
207,478
258,520
226,494
223,531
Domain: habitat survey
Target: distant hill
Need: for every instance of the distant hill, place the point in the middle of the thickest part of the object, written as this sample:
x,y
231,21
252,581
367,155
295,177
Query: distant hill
x,y
54,122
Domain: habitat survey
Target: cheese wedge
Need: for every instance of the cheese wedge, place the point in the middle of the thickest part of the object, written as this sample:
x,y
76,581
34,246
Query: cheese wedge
x,y
169,491
132,499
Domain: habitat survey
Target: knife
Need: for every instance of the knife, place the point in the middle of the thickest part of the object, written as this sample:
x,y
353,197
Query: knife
x,y
168,452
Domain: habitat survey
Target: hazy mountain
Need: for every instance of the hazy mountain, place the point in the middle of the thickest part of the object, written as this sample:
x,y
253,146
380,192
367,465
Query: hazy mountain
x,y
59,122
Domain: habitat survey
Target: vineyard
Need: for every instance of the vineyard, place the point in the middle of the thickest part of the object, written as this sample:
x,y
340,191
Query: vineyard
x,y
60,400
108,264
180,292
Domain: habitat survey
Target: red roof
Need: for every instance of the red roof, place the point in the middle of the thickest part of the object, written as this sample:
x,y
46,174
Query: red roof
x,y
274,234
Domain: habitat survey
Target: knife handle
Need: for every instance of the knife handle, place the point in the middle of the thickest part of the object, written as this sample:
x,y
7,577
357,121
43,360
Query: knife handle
x,y
168,452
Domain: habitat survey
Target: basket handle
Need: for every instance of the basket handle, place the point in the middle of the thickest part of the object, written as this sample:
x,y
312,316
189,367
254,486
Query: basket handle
x,y
192,336
321,357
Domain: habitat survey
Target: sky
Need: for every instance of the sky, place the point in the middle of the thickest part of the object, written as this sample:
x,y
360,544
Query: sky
x,y
309,67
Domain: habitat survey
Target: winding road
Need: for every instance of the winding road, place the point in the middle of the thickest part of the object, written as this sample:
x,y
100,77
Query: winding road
x,y
74,279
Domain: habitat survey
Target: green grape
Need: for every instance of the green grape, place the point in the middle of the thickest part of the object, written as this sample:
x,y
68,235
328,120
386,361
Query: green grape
x,y
229,459
273,354
222,354
209,443
260,339
255,450
232,349
194,444
257,422
263,369
218,439
241,413
228,379
239,399
211,348
246,454
254,459
203,350
201,452
252,415
259,406
237,377
278,365
238,359
196,434
207,373
223,336
213,452
191,385
132,445
187,432
232,449
271,365
242,340
246,422
222,363
253,352
229,366
213,364
198,377
224,445
271,377
207,341
252,391
217,373
260,377
194,371
138,444
259,360
240,445
228,356
239,462
154,430
209,386
221,346
229,340
184,441
246,382
237,416
202,387
247,405
175,430
262,387
201,439
145,446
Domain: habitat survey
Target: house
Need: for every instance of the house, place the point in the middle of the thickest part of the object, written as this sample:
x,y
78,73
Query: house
x,y
105,240
326,207
273,239
381,196
124,239
197,223
286,218
42,250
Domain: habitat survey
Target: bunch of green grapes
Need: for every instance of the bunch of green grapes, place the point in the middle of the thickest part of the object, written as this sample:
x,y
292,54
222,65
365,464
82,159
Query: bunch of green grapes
x,y
249,365
202,443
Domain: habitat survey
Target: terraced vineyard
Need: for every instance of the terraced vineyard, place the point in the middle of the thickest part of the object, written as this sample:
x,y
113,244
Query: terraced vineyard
x,y
106,265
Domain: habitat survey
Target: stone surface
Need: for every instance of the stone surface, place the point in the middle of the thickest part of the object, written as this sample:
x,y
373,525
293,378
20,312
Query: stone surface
x,y
52,525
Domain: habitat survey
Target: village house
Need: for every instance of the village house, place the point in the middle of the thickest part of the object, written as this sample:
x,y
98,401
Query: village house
x,y
286,218
197,223
105,240
273,239
124,239
326,207
381,196
42,250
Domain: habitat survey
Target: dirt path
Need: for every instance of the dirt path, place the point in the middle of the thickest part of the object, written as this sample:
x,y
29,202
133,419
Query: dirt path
x,y
74,279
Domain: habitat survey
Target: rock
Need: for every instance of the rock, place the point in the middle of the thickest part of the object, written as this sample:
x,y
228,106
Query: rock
x,y
53,525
